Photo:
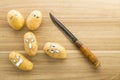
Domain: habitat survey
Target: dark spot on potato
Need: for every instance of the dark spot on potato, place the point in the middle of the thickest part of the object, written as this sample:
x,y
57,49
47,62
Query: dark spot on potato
x,y
47,50
34,15
37,17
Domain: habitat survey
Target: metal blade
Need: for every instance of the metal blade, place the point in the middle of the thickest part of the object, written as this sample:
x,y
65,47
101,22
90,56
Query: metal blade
x,y
63,28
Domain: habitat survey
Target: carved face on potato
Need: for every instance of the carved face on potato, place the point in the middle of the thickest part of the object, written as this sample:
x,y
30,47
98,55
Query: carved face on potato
x,y
34,20
36,14
17,60
30,44
55,50
20,61
29,41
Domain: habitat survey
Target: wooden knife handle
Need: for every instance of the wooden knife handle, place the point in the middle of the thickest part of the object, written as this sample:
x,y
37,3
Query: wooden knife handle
x,y
88,54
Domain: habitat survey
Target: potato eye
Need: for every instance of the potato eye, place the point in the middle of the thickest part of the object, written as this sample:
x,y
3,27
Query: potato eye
x,y
57,51
14,61
34,15
26,40
32,40
17,57
51,51
37,16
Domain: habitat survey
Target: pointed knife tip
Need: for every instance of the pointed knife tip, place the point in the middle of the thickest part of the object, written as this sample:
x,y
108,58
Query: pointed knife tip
x,y
51,16
50,13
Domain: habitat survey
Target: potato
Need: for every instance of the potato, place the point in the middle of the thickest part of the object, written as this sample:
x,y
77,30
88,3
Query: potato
x,y
55,50
30,44
20,61
15,19
34,20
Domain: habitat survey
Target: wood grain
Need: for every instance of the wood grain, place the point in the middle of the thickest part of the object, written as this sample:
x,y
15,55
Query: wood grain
x,y
94,22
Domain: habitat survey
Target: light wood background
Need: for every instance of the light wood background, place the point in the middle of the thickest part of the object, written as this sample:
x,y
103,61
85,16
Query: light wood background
x,y
95,22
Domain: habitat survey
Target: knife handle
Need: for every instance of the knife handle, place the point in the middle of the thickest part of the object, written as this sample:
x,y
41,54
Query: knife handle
x,y
87,53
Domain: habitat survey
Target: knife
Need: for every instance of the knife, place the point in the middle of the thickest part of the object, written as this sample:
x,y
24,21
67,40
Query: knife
x,y
84,49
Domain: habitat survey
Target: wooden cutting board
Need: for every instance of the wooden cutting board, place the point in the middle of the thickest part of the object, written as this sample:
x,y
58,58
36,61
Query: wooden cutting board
x,y
95,22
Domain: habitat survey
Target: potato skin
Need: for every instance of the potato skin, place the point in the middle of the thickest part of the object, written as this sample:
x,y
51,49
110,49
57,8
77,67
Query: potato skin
x,y
15,19
34,20
20,61
55,50
30,44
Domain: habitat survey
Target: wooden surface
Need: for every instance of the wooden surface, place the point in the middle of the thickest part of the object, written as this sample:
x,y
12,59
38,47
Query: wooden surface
x,y
95,22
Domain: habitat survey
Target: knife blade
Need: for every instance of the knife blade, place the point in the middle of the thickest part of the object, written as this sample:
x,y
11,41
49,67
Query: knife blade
x,y
82,47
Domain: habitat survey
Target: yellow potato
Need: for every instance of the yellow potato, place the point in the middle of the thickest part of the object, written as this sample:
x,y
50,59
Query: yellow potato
x,y
15,19
34,20
30,44
55,50
20,61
